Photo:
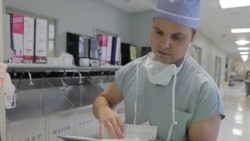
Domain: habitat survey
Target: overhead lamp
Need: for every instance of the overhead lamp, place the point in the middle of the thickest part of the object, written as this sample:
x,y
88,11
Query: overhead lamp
x,y
240,30
244,53
243,48
244,59
237,132
233,3
242,42
244,56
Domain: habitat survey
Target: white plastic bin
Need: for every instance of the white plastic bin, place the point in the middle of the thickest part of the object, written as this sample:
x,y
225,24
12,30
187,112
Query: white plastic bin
x,y
30,130
60,124
86,123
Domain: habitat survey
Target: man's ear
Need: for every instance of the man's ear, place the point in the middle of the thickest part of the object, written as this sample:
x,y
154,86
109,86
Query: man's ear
x,y
194,35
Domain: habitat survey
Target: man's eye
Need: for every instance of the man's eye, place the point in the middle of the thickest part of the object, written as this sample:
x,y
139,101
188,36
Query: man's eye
x,y
159,32
175,37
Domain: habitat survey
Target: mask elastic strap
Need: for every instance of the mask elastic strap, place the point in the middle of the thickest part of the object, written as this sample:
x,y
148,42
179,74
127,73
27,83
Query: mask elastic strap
x,y
174,122
136,91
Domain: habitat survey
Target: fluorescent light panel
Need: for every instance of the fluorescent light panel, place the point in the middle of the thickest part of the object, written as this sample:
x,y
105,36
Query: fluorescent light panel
x,y
233,3
237,132
242,42
244,53
244,59
243,48
240,30
244,56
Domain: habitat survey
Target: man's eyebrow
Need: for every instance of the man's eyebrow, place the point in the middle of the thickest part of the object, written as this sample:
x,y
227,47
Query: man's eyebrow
x,y
178,34
175,34
156,27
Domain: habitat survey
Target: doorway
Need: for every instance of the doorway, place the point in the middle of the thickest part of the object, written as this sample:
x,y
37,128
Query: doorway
x,y
195,52
217,71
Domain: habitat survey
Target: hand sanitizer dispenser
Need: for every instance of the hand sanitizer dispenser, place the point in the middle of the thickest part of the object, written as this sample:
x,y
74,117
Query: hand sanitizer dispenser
x,y
9,91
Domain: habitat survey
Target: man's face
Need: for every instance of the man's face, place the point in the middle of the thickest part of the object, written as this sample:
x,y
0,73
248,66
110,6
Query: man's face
x,y
169,41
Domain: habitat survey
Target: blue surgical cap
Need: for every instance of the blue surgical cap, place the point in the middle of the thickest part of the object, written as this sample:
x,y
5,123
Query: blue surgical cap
x,y
184,12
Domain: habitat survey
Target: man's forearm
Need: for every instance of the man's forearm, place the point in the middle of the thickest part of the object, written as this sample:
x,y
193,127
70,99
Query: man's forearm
x,y
99,103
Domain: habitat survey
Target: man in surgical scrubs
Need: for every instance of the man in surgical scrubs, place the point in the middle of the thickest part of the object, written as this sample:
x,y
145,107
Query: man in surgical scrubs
x,y
167,87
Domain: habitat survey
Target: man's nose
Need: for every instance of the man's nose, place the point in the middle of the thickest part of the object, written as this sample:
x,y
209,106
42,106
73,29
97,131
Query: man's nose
x,y
165,42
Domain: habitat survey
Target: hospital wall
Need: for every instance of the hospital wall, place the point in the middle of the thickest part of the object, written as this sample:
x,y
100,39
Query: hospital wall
x,y
85,16
78,16
209,52
140,35
1,33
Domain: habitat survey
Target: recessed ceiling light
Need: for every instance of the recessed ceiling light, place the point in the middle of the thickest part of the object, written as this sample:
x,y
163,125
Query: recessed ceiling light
x,y
243,48
240,122
244,59
242,42
233,3
240,30
237,132
244,56
244,53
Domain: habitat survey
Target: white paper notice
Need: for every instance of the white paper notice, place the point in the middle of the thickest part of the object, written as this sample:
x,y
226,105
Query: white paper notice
x,y
131,133
77,138
143,132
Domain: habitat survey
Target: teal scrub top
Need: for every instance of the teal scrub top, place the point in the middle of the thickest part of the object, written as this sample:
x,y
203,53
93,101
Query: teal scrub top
x,y
196,94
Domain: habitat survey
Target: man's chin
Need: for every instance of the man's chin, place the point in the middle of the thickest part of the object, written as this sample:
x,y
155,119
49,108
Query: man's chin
x,y
165,59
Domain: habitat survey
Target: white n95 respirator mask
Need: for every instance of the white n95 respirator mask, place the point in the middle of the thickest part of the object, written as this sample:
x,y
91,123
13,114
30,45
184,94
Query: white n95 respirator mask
x,y
159,73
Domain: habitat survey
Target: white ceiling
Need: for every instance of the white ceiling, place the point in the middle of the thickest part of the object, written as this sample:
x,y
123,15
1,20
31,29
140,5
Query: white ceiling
x,y
133,5
215,23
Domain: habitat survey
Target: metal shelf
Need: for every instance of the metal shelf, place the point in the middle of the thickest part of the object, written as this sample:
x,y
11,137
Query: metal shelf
x,y
48,68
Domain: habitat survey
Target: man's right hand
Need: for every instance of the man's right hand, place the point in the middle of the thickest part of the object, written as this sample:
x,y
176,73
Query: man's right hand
x,y
102,109
112,122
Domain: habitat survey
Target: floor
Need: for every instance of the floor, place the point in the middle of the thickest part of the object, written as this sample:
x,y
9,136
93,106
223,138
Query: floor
x,y
236,125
